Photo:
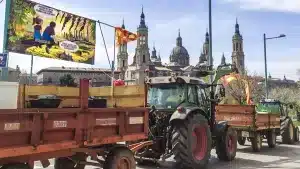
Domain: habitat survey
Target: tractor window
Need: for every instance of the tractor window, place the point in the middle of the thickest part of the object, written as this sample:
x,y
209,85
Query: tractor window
x,y
192,94
166,95
201,96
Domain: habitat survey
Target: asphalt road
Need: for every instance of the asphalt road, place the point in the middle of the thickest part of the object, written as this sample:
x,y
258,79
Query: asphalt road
x,y
280,157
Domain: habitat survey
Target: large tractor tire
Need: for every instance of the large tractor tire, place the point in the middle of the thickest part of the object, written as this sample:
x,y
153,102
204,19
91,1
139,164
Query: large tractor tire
x,y
226,145
256,142
271,138
287,131
296,134
120,158
241,140
191,141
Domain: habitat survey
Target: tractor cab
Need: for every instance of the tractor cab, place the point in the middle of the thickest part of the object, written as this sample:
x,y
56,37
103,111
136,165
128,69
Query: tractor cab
x,y
172,92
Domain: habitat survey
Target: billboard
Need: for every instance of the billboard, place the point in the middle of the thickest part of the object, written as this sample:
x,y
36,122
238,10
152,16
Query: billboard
x,y
3,60
39,30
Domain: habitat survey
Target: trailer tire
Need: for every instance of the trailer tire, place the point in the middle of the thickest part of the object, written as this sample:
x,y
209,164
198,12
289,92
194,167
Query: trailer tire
x,y
16,166
191,141
287,131
241,140
226,145
256,142
120,158
271,138
296,134
70,162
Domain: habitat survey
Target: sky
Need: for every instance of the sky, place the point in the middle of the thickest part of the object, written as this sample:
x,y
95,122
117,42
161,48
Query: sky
x,y
165,17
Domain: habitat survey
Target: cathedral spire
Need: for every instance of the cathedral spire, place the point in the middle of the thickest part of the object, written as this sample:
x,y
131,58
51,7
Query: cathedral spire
x,y
179,39
123,24
206,37
142,21
223,60
237,26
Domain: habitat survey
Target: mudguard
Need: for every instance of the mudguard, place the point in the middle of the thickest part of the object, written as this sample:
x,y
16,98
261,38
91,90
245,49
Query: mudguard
x,y
220,128
187,110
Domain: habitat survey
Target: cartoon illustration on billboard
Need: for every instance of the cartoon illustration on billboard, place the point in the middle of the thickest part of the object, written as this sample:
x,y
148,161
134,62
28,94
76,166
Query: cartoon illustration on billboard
x,y
3,58
39,30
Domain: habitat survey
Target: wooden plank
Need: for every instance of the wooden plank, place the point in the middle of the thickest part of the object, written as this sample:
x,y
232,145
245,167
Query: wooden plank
x,y
124,96
51,90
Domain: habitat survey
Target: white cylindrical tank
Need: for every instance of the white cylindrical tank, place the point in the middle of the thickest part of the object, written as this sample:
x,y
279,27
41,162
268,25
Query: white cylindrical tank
x,y
9,95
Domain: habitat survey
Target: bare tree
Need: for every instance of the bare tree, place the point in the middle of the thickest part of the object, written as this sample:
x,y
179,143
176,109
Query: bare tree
x,y
240,86
286,95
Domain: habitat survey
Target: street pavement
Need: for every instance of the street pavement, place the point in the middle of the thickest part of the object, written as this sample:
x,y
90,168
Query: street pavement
x,y
281,157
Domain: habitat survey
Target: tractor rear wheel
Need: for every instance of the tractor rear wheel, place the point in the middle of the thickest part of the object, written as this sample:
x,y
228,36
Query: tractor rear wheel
x,y
227,145
241,140
287,131
191,141
271,138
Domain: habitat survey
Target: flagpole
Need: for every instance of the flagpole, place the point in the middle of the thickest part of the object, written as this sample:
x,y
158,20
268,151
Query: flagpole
x,y
114,59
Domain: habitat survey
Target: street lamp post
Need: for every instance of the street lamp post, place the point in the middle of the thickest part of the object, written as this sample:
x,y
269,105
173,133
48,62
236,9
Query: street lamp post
x,y
265,58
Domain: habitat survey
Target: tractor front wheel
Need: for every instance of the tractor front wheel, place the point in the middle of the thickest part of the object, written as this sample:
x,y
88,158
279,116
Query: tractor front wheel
x,y
227,145
191,141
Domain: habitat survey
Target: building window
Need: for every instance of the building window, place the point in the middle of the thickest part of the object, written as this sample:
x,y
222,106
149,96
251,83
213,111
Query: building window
x,y
123,63
144,58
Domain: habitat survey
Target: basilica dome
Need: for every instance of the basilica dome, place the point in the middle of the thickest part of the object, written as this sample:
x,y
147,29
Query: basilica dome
x,y
179,54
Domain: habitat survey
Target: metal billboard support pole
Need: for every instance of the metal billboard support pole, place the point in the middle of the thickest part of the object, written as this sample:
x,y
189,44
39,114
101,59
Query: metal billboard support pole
x,y
4,72
31,67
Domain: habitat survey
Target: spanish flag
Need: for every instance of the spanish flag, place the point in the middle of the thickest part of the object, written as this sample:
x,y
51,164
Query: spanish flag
x,y
123,36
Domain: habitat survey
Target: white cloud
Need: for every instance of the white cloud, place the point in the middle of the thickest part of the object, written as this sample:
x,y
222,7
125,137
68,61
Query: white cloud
x,y
273,5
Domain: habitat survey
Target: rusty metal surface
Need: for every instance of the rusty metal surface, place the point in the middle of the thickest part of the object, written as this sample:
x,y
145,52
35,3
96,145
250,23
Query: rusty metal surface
x,y
245,117
39,134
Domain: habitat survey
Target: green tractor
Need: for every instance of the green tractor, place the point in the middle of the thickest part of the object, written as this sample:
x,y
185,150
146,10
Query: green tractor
x,y
288,131
182,123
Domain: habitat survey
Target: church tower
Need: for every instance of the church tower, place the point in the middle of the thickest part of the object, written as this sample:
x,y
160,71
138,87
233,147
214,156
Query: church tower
x,y
206,45
142,55
122,57
238,57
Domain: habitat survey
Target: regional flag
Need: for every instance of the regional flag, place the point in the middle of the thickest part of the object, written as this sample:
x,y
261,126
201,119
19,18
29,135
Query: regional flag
x,y
123,36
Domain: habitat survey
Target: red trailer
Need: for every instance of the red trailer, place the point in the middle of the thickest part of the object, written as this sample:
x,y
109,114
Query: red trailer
x,y
70,135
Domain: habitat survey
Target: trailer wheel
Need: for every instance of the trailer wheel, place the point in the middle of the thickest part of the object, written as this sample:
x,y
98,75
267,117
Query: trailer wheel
x,y
271,138
191,141
70,162
120,158
296,134
256,142
287,131
16,166
227,145
241,140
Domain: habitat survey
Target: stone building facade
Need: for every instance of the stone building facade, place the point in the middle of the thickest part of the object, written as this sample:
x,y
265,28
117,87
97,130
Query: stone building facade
x,y
99,77
145,64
